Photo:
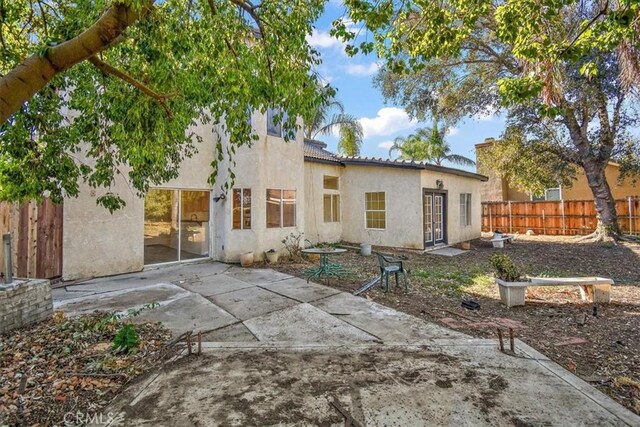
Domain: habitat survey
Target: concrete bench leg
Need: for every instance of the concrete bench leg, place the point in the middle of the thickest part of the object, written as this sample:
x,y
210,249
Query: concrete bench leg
x,y
601,293
512,296
596,293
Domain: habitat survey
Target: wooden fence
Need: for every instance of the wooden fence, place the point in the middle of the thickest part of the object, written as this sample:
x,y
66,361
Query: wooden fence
x,y
569,217
36,235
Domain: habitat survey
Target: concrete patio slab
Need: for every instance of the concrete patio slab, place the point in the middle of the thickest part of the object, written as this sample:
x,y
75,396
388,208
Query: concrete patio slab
x,y
251,302
257,276
305,324
300,290
390,387
214,285
385,323
447,252
122,300
236,333
191,313
271,360
150,276
61,294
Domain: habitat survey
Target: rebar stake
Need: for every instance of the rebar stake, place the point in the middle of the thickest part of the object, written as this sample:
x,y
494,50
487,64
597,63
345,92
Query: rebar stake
x,y
512,342
500,338
199,342
189,344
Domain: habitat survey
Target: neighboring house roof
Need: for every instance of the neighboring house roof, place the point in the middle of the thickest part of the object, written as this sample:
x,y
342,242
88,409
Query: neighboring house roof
x,y
314,151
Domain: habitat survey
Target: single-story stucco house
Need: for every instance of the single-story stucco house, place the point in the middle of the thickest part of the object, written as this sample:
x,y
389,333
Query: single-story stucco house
x,y
280,187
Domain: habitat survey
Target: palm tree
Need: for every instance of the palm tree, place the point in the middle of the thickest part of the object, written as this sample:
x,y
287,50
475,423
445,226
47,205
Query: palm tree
x,y
330,118
428,144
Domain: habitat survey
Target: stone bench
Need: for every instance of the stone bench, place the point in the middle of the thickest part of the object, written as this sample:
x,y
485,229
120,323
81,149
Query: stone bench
x,y
498,242
598,289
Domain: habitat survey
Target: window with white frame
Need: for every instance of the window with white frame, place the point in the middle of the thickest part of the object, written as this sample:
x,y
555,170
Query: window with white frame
x,y
465,209
242,208
375,210
281,208
331,198
549,194
331,208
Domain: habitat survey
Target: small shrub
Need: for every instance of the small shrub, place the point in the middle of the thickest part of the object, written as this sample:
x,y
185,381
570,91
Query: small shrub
x,y
292,244
126,339
505,268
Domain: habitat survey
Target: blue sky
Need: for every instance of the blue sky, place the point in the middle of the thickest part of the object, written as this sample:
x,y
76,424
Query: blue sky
x,y
382,122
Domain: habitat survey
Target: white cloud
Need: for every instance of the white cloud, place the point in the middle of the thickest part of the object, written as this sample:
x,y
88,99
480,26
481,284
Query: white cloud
x,y
323,39
453,131
385,144
362,70
388,120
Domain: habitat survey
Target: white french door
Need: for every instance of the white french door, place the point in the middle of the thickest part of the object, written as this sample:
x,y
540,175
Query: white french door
x,y
434,209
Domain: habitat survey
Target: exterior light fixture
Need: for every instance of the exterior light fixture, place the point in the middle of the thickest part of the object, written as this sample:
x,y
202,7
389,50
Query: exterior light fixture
x,y
439,184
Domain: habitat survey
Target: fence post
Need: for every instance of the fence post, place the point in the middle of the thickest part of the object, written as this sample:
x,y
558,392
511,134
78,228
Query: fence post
x,y
8,268
564,224
490,218
630,217
544,224
510,219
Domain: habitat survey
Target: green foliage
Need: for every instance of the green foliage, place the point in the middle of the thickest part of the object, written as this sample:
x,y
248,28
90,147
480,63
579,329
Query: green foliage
x,y
505,268
329,117
530,166
206,61
566,73
428,145
126,339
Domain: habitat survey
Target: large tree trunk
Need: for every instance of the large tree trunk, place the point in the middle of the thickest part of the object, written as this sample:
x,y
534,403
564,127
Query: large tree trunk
x,y
35,72
605,203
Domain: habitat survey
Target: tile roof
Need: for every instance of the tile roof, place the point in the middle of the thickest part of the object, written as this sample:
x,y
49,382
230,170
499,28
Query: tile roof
x,y
315,151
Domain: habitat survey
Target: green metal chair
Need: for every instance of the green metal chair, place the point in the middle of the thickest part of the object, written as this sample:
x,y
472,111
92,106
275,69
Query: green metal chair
x,y
389,265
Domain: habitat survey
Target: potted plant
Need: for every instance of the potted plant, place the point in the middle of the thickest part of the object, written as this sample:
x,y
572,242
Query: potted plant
x,y
511,283
272,256
246,259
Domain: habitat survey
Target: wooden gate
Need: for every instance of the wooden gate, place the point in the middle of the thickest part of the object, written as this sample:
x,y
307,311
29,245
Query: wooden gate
x,y
36,235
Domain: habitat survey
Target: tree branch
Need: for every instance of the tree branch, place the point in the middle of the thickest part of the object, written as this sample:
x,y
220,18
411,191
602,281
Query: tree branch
x,y
251,10
26,79
214,11
108,69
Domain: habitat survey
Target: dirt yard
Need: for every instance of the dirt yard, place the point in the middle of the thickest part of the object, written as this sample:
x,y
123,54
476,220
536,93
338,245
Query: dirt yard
x,y
603,349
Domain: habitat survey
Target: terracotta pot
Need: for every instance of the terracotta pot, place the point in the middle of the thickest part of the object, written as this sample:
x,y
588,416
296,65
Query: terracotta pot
x,y
465,246
246,259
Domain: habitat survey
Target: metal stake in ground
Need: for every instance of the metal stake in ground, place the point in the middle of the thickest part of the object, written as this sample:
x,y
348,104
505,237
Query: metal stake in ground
x,y
500,339
512,344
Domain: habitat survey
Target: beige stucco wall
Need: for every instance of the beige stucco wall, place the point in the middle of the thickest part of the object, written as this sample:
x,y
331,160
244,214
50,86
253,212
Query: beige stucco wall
x,y
316,230
98,243
270,163
498,189
403,196
580,189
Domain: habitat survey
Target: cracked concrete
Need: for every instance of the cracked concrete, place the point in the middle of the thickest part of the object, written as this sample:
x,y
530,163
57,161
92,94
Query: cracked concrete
x,y
279,350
